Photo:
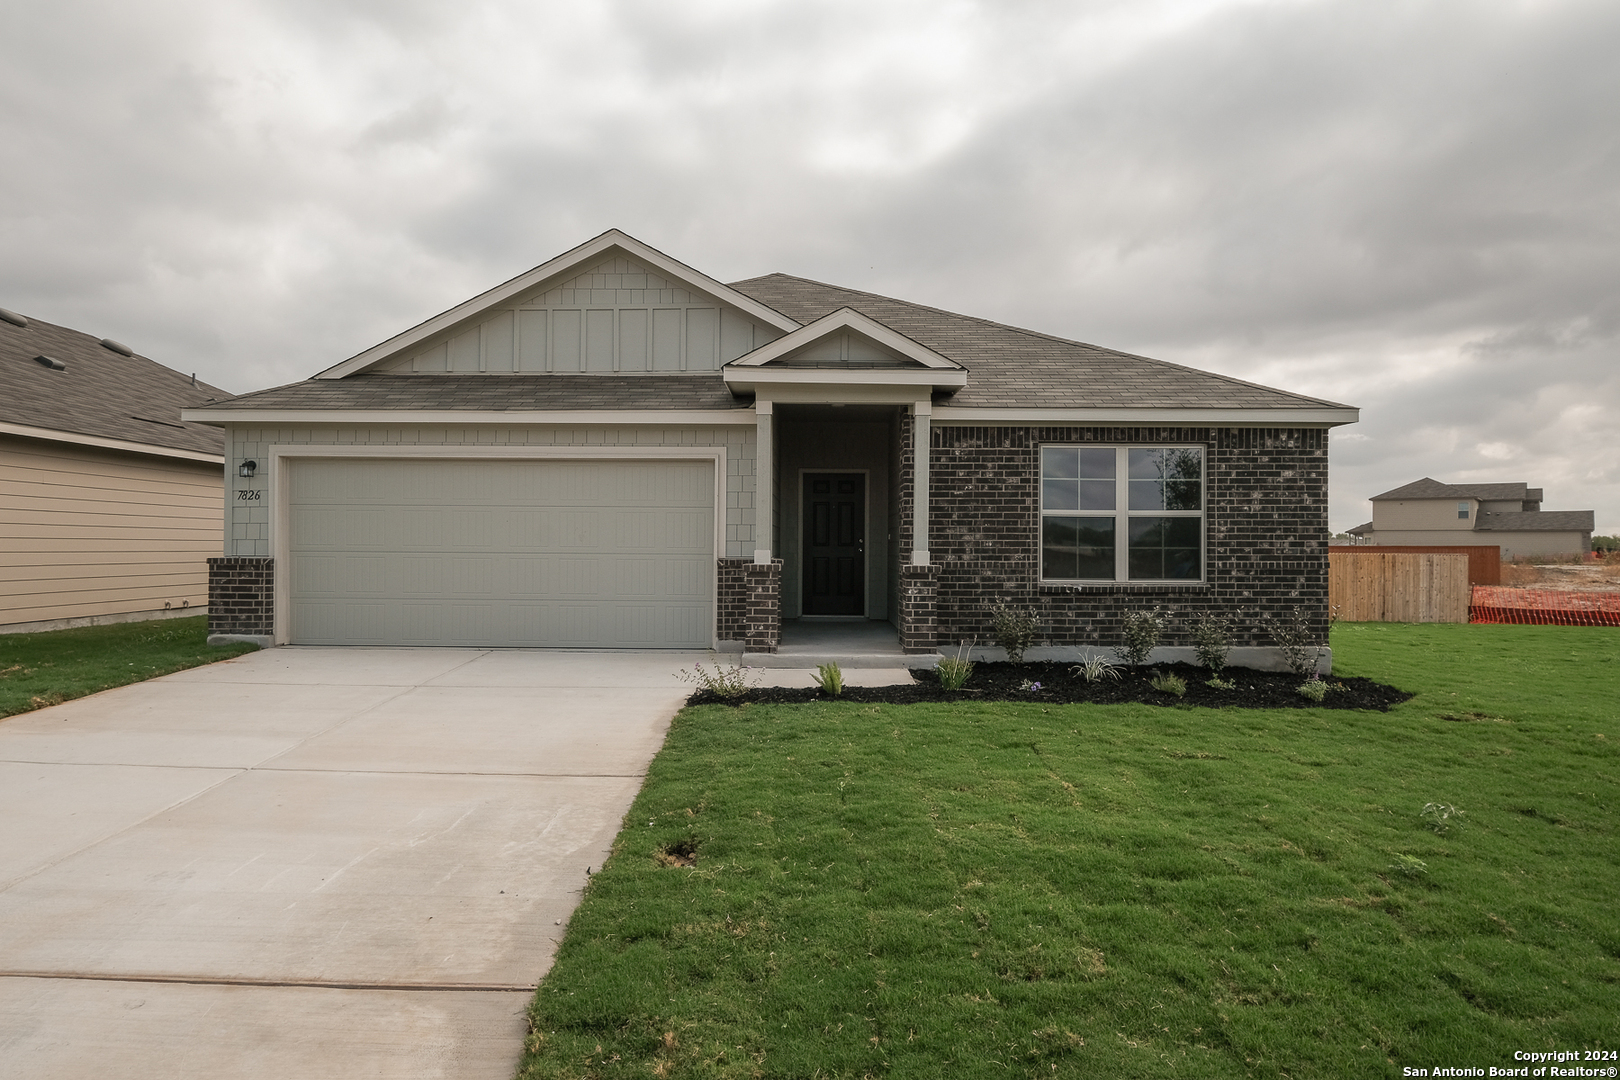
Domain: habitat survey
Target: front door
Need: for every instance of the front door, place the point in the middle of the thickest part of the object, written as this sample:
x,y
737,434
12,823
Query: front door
x,y
834,544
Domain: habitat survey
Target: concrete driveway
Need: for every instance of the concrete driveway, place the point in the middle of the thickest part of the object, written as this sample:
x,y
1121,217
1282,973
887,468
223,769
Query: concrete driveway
x,y
310,862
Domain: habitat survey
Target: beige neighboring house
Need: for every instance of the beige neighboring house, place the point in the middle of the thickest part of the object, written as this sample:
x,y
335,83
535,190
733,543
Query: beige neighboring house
x,y
110,504
1508,516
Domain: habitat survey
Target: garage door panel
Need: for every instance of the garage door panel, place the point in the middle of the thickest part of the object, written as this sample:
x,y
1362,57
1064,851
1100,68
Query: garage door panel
x,y
542,553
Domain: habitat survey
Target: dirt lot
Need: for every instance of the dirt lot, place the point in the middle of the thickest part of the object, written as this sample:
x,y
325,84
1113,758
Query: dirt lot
x,y
1576,577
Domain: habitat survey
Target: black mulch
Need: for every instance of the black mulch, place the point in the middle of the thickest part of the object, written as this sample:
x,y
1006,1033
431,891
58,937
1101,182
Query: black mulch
x,y
1059,684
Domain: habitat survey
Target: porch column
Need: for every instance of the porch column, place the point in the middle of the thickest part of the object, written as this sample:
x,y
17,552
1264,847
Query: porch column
x,y
921,414
764,481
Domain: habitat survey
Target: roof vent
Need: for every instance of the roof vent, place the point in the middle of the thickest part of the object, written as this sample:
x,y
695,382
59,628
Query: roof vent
x,y
52,362
12,317
117,347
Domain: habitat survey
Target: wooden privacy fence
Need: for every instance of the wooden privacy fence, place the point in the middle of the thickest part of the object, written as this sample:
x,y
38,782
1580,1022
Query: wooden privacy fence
x,y
1370,585
1484,560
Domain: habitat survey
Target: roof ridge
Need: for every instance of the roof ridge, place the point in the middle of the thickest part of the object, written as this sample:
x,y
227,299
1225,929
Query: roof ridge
x,y
1042,336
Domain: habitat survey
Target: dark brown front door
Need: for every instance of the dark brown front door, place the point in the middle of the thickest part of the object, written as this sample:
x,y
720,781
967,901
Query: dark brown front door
x,y
834,544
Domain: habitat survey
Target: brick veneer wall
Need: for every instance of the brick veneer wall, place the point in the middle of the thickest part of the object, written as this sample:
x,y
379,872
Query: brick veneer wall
x,y
241,596
919,622
764,620
731,600
748,605
1265,527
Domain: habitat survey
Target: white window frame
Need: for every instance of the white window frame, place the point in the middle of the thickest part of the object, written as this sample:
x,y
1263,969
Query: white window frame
x,y
1122,514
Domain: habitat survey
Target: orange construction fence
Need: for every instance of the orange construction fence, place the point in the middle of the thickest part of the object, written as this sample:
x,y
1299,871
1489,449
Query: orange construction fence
x,y
1545,607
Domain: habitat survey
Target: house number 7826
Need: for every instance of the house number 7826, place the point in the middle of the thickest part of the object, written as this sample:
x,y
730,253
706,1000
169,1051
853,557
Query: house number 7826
x,y
247,496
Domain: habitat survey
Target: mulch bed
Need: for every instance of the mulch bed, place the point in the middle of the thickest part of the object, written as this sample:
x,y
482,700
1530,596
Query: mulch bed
x,y
1059,685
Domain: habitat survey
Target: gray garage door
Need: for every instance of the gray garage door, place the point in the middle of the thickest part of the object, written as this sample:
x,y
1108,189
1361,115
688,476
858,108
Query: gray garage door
x,y
570,554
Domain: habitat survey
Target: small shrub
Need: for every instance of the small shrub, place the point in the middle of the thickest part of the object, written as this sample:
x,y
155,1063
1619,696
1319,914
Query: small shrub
x,y
1096,669
1143,629
1212,640
954,671
1438,816
830,677
1314,689
1409,865
721,680
1292,633
1029,687
1168,683
1220,684
1014,629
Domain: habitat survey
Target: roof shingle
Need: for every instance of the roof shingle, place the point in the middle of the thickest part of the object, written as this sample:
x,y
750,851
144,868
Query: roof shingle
x,y
101,392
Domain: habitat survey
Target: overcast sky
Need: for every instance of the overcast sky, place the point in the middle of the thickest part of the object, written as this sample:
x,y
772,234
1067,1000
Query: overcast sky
x,y
1406,206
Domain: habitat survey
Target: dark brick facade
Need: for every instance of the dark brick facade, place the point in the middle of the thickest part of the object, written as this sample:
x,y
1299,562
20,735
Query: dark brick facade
x,y
748,604
764,626
1265,526
731,599
918,616
241,596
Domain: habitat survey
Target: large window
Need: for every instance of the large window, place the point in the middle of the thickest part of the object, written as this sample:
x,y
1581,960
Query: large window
x,y
1122,513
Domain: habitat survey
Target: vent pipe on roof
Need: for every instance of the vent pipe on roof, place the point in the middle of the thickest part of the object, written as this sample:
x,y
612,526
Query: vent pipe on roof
x,y
117,347
13,318
51,362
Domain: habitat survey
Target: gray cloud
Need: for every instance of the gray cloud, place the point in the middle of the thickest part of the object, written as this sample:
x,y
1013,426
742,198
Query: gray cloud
x,y
1411,208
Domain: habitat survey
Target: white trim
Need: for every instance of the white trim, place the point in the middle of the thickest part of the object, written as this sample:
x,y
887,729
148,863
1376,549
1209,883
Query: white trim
x,y
562,264
1323,416
619,417
49,435
845,318
912,378
281,513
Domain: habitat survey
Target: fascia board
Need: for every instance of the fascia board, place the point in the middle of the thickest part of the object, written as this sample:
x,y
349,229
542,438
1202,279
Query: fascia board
x,y
97,441
568,260
845,319
222,417
749,378
1241,417
823,394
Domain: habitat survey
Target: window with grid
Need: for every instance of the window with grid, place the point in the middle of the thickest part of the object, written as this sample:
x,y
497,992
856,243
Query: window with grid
x,y
1122,513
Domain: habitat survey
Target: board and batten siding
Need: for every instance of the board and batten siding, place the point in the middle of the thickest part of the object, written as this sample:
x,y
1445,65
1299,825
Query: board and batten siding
x,y
88,534
616,316
248,531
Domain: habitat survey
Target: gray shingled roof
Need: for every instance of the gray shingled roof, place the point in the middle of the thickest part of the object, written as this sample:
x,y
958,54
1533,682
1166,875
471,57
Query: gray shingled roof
x,y
1428,488
1538,521
497,393
101,393
1013,368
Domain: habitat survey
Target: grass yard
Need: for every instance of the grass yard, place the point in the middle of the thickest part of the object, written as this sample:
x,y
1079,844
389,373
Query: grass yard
x,y
970,890
54,666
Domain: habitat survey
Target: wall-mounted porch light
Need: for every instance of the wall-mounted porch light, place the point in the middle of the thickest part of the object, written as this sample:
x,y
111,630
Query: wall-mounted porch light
x,y
247,469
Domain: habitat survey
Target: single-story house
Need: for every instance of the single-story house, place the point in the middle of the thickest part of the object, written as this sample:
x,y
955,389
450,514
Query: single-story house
x,y
614,450
1508,516
111,502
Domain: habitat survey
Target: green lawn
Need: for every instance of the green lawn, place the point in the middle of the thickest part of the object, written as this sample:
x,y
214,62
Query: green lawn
x,y
48,668
1127,891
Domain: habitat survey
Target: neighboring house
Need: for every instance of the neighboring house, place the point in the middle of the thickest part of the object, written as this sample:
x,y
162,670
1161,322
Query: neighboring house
x,y
111,502
1508,516
615,450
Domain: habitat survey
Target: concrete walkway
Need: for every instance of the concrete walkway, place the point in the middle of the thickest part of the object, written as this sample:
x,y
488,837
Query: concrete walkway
x,y
311,862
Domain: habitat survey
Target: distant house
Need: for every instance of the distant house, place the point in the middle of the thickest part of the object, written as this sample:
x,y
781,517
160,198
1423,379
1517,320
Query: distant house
x,y
1508,516
111,503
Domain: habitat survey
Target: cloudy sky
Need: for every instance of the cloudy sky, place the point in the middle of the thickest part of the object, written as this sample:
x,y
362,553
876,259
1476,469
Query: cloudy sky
x,y
1408,206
